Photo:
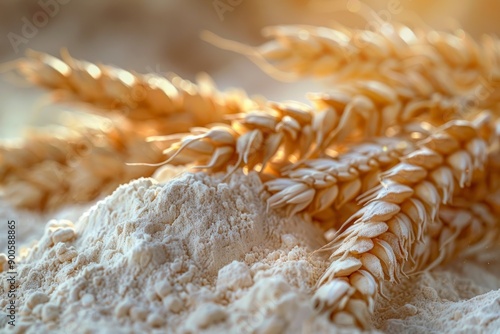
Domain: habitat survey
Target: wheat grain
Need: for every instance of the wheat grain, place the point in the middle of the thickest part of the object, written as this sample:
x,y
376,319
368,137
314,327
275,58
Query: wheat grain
x,y
365,241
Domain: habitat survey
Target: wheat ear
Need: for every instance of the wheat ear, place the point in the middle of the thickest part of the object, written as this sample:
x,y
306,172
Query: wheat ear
x,y
316,185
376,242
468,225
421,65
303,50
179,104
372,104
266,139
43,171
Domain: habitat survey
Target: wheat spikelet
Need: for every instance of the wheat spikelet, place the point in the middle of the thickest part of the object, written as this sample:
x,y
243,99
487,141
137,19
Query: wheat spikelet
x,y
316,185
44,171
375,243
175,104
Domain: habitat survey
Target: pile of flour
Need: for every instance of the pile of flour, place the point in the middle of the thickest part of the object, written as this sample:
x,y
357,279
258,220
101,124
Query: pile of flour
x,y
197,255
192,255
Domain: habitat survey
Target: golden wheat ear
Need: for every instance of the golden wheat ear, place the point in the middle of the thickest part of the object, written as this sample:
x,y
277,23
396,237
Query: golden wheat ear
x,y
368,244
428,71
148,97
302,51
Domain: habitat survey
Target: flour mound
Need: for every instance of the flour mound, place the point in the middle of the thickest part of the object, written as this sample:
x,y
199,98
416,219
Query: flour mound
x,y
192,255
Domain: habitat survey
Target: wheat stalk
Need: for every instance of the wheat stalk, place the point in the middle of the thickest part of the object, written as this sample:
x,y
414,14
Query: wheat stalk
x,y
376,242
43,171
177,103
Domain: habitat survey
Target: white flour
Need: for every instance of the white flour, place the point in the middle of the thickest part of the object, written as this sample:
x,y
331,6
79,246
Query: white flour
x,y
187,256
196,255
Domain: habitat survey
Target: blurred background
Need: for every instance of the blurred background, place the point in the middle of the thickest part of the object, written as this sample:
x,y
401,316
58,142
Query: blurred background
x,y
163,36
